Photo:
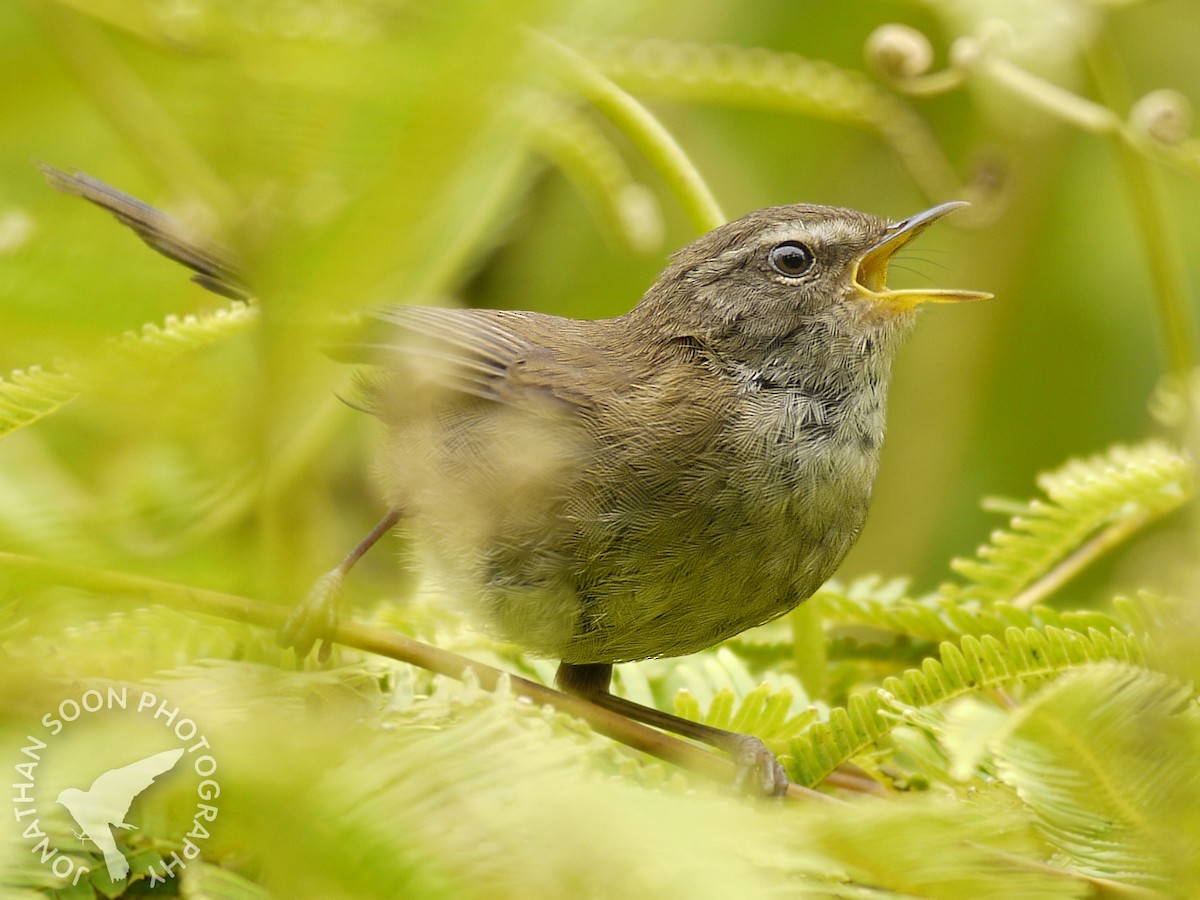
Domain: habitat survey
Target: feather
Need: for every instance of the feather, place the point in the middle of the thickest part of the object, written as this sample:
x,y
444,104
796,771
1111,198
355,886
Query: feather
x,y
212,264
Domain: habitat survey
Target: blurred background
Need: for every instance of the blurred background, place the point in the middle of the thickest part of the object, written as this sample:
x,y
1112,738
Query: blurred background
x,y
381,151
358,152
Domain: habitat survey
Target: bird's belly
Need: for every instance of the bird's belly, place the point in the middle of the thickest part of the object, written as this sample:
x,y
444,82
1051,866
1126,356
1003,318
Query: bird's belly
x,y
714,596
749,554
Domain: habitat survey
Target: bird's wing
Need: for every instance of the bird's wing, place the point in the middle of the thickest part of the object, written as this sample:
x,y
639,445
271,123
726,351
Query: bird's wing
x,y
212,264
116,788
468,352
497,355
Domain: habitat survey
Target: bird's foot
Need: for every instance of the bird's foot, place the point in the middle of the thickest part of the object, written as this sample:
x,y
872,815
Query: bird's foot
x,y
758,772
316,617
125,825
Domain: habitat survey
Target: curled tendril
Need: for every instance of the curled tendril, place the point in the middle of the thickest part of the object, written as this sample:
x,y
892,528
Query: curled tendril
x,y
1164,115
903,57
898,52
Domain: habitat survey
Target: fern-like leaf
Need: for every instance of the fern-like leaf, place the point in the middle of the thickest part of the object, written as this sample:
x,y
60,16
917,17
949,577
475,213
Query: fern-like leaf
x,y
868,602
765,713
970,666
28,396
1104,760
1103,498
31,394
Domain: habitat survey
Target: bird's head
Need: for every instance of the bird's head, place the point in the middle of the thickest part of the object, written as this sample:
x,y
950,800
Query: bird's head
x,y
776,271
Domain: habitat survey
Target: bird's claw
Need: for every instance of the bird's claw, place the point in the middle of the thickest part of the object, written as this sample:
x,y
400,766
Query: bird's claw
x,y
315,618
758,771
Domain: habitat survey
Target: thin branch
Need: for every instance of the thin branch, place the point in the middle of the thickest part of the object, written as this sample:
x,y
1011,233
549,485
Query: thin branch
x,y
859,784
394,646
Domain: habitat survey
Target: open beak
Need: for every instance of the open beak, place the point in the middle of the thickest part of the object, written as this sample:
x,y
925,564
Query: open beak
x,y
870,274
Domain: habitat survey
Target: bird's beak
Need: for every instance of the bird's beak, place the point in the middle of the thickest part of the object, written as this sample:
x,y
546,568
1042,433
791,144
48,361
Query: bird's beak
x,y
870,274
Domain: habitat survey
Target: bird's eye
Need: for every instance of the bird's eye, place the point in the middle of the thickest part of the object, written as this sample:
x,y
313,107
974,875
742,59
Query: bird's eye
x,y
791,259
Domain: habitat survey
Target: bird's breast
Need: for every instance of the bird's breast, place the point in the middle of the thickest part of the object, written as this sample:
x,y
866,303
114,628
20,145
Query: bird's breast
x,y
817,449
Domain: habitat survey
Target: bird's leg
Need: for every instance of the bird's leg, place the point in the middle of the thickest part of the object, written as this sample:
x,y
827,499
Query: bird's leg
x,y
316,617
757,769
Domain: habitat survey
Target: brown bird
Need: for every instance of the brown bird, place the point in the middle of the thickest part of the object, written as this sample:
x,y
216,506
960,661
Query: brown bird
x,y
641,486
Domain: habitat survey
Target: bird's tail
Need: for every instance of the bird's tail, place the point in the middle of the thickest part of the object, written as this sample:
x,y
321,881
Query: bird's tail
x,y
213,265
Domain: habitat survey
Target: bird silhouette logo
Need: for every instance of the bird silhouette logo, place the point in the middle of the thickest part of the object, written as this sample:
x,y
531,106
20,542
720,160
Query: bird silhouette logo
x,y
104,805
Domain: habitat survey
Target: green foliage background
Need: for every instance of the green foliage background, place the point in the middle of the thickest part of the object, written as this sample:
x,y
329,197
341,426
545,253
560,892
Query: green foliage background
x,y
382,151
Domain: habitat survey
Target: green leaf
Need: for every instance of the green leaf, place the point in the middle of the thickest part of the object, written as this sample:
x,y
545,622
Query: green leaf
x,y
1105,760
1105,497
971,666
936,618
28,396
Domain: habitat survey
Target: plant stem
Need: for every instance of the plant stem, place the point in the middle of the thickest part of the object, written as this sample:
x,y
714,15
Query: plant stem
x,y
1158,240
661,150
808,647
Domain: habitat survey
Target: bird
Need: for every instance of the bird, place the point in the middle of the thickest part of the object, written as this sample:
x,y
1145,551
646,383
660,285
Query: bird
x,y
646,485
104,805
